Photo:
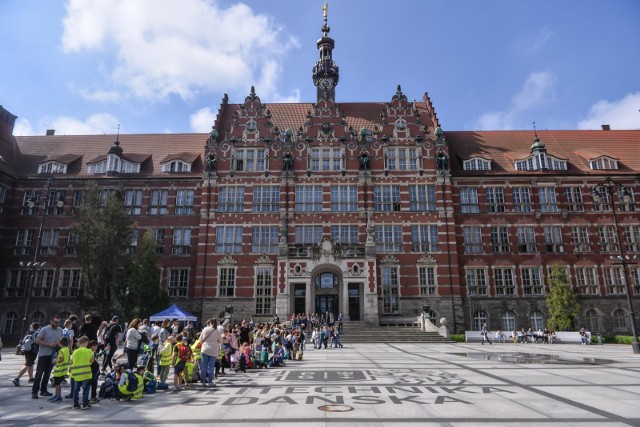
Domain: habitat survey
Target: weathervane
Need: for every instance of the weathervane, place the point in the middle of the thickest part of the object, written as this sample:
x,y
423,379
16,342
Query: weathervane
x,y
325,12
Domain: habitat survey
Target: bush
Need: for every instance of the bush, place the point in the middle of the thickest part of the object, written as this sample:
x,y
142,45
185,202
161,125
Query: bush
x,y
623,339
457,337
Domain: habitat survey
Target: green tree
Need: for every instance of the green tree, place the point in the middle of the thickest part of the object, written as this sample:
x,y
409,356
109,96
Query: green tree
x,y
104,231
141,293
561,301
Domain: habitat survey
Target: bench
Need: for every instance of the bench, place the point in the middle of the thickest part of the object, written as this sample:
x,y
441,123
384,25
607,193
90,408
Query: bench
x,y
560,338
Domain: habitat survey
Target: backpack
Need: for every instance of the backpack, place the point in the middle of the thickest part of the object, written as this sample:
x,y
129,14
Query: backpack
x,y
184,352
29,342
108,332
132,382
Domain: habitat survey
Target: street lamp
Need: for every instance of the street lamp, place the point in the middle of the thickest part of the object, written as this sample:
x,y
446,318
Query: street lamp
x,y
611,186
34,265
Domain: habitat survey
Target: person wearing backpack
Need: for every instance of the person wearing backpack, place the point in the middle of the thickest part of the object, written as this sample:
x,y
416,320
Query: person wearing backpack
x,y
111,334
181,355
127,383
29,349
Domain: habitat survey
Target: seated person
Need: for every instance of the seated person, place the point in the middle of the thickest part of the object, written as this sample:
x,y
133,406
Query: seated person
x,y
499,336
278,356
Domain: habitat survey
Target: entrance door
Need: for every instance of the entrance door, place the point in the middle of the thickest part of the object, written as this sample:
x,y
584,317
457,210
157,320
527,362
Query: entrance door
x,y
299,298
354,301
326,303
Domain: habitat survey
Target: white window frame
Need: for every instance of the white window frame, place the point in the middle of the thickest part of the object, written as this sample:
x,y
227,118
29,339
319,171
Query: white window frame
x,y
587,280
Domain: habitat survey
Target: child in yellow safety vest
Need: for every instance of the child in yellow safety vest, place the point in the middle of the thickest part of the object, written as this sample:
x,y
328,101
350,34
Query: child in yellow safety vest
x,y
60,368
80,373
165,355
181,355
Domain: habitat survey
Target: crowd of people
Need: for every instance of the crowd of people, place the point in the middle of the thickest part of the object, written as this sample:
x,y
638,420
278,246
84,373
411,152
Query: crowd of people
x,y
123,362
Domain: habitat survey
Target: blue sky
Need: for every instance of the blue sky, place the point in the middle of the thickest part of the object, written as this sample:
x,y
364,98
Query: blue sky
x,y
156,66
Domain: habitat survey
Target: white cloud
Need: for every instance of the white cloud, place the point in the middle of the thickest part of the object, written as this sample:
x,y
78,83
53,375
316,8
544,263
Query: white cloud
x,y
537,90
23,128
166,47
534,43
620,114
202,120
63,125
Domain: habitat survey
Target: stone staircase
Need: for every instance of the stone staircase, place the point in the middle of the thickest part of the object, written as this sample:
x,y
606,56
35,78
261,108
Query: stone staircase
x,y
364,332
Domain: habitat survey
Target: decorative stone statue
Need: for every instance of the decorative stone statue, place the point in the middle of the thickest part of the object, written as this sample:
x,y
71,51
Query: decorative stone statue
x,y
442,161
213,135
211,162
287,162
364,161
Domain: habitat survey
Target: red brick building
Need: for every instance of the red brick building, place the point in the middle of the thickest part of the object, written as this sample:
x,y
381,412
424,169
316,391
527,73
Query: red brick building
x,y
369,209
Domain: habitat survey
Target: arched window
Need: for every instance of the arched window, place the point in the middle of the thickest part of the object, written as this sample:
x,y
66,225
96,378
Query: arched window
x,y
508,321
593,321
64,316
619,319
536,320
38,317
433,317
479,318
10,323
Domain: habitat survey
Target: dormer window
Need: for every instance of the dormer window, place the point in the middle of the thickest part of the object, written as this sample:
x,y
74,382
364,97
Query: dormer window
x,y
476,164
176,166
52,167
540,161
603,163
100,167
113,164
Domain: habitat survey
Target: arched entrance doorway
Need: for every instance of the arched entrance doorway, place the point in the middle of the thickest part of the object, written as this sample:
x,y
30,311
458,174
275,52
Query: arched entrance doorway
x,y
327,287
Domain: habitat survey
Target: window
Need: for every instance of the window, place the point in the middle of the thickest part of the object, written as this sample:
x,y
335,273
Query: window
x,y
231,199
178,282
133,201
326,159
17,284
38,317
531,281
587,281
181,244
52,167
495,199
635,279
24,238
614,280
479,319
608,238
619,319
3,194
176,166
69,283
159,202
95,168
580,239
71,247
345,234
132,246
250,160
521,199
390,290
422,198
632,237
228,239
593,320
49,242
264,239
536,320
469,200
10,323
386,198
548,199
226,281
388,238
503,280
401,159
184,202
603,163
424,238
266,198
500,239
472,239
51,202
541,160
604,202
427,279
308,234
309,198
30,197
344,198
476,281
630,205
264,287
476,164
526,239
573,195
79,197
158,234
508,321
553,238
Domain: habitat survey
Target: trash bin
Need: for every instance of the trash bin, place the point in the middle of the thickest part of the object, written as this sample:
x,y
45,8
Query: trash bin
x,y
599,338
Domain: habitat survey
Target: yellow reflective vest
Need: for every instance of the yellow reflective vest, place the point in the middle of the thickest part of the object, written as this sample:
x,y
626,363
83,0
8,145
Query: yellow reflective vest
x,y
197,352
166,354
62,363
140,389
80,369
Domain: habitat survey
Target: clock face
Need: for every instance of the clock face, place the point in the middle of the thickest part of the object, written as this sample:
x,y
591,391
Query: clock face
x,y
326,84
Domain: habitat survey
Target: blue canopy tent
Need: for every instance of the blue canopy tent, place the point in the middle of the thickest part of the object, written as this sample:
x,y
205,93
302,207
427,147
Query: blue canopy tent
x,y
173,312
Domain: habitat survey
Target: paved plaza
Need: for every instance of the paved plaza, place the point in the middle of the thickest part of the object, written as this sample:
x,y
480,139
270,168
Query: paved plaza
x,y
379,385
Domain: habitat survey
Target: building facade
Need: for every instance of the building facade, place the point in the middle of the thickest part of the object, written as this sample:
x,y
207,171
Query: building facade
x,y
369,209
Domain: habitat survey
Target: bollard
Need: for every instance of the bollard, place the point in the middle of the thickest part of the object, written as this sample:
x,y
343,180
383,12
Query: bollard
x,y
599,338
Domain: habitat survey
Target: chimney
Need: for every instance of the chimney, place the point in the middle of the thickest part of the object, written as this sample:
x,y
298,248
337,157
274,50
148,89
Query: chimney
x,y
51,132
606,127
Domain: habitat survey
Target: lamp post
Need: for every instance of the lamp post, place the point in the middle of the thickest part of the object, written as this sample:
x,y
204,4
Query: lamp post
x,y
34,265
611,187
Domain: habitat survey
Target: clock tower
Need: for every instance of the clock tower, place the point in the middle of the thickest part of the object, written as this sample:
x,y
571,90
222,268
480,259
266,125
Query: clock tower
x,y
325,71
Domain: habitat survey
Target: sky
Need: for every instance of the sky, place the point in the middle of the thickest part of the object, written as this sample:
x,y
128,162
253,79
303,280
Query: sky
x,y
163,66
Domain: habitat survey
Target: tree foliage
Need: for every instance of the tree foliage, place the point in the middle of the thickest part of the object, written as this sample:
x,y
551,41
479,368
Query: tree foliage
x,y
104,231
561,301
141,293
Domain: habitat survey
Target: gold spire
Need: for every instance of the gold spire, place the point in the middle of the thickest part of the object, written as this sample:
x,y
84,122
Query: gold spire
x,y
325,10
